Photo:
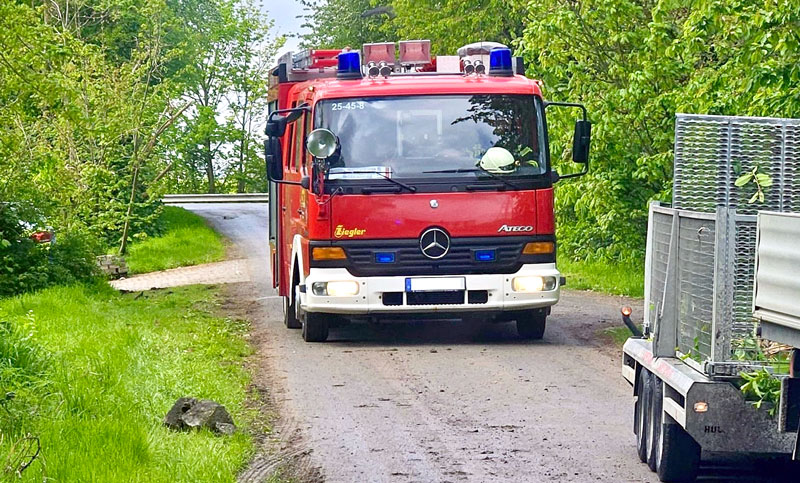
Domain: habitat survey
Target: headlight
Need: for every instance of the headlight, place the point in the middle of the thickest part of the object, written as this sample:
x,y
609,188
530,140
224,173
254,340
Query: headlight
x,y
533,284
335,289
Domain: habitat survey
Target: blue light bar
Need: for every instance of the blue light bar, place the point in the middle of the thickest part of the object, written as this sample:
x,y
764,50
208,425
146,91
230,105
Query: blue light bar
x,y
500,62
349,65
384,257
485,256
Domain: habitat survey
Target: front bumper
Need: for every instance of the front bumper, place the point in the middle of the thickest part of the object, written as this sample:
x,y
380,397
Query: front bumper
x,y
370,298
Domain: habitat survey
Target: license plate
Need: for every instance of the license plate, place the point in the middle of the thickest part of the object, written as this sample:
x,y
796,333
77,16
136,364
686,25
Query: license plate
x,y
435,284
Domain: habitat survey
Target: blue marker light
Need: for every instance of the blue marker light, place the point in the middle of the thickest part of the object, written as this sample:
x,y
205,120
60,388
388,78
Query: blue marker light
x,y
485,255
349,65
500,62
386,257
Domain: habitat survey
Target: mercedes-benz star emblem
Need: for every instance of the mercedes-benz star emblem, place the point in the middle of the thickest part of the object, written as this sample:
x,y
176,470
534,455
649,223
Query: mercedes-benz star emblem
x,y
434,204
434,243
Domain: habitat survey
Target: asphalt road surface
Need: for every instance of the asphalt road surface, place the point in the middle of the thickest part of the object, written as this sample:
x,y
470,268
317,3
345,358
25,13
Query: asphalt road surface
x,y
444,400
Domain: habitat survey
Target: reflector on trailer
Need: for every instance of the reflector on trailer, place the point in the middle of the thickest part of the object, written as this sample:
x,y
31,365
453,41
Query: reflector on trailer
x,y
379,52
415,52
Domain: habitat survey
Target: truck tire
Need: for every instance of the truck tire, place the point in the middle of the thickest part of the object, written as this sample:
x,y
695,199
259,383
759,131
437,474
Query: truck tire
x,y
290,313
641,413
531,324
315,327
675,455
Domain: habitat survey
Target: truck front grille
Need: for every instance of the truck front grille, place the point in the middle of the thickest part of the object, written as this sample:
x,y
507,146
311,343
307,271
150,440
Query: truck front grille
x,y
409,260
435,298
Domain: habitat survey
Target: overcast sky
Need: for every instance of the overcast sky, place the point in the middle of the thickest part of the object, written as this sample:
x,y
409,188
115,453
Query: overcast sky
x,y
285,13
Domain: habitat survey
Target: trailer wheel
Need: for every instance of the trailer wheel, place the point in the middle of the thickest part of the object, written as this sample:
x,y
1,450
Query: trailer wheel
x,y
290,310
641,413
654,419
675,454
531,324
315,327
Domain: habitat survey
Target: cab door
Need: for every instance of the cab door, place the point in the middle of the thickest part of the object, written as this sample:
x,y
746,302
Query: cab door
x,y
274,221
294,198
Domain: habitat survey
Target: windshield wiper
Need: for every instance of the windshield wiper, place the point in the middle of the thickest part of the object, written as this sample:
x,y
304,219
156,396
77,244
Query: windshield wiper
x,y
410,188
474,170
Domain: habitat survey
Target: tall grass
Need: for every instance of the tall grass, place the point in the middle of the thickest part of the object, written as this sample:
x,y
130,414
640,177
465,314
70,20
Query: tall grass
x,y
94,372
187,240
608,277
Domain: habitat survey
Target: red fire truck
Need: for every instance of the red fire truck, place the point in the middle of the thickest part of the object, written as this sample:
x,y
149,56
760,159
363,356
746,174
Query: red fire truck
x,y
404,184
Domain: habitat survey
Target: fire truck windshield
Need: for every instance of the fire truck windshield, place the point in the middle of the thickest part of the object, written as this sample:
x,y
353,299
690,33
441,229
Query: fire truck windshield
x,y
435,136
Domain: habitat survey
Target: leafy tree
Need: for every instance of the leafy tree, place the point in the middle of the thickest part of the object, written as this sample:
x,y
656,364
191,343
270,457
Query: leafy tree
x,y
335,24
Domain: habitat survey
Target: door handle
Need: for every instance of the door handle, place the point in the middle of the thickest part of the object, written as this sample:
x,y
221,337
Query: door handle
x,y
300,212
283,208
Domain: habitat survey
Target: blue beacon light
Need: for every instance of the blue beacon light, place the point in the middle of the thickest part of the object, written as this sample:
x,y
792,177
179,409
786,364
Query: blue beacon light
x,y
485,255
349,65
384,257
500,62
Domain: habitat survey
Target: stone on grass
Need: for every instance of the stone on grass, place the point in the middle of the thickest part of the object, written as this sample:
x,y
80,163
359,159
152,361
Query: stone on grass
x,y
190,413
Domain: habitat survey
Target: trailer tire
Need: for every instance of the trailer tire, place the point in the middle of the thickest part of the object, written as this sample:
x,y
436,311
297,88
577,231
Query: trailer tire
x,y
675,454
654,419
531,324
641,413
315,327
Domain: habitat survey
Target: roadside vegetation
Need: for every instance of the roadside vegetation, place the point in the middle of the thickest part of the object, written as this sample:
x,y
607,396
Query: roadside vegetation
x,y
107,104
634,64
186,239
600,276
91,373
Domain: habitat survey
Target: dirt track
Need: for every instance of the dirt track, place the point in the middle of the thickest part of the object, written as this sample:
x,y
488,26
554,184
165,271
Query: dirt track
x,y
442,401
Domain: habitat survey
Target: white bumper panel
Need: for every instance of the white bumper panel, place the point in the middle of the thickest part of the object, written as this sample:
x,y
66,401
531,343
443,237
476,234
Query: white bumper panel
x,y
370,297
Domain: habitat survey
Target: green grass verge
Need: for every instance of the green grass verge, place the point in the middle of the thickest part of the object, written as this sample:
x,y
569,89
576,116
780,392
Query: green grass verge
x,y
617,335
93,373
187,240
611,278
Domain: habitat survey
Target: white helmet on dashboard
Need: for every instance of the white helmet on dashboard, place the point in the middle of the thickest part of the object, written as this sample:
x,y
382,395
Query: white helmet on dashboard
x,y
498,160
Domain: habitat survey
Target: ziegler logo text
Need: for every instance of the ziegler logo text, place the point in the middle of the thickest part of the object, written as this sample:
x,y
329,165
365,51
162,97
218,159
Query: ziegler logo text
x,y
510,228
342,232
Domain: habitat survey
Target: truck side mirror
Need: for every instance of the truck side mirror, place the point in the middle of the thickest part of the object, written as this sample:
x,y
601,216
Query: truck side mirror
x,y
272,154
581,141
276,126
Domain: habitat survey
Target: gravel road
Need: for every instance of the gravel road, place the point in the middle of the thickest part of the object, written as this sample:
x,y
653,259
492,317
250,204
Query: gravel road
x,y
446,401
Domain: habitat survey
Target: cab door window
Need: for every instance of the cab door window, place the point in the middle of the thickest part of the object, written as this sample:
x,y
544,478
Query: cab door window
x,y
299,148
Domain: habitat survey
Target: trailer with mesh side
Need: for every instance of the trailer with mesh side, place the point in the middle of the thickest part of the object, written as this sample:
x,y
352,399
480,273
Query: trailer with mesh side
x,y
736,198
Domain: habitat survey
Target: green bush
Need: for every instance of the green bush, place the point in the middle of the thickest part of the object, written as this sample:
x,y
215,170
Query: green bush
x,y
27,266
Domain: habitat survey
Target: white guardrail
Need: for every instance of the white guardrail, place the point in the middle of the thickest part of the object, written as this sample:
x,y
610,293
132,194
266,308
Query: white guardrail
x,y
216,198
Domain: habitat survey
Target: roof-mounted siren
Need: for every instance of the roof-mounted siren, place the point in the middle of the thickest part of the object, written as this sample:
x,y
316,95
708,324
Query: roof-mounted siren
x,y
476,56
380,58
415,52
349,65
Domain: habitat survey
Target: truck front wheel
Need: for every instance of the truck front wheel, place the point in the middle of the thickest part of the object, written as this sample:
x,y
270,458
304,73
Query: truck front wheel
x,y
290,312
531,324
315,327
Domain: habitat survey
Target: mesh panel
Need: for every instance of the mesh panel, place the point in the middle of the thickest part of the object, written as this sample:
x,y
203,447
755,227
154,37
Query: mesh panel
x,y
700,182
791,173
755,145
711,152
662,226
743,323
695,287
